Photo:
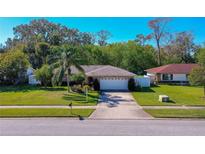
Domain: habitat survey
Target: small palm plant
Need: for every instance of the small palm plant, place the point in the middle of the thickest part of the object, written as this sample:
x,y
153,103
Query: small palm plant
x,y
62,66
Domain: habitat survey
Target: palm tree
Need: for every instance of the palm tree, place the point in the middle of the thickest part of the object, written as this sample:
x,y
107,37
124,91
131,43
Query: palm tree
x,y
62,67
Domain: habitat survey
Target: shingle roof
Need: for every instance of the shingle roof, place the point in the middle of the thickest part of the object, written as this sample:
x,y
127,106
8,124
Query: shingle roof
x,y
173,69
103,70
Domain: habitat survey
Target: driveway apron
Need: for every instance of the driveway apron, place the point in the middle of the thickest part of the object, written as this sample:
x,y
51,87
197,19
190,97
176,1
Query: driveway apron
x,y
118,105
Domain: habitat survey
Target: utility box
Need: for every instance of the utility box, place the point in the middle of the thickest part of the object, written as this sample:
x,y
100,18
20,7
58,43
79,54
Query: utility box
x,y
163,98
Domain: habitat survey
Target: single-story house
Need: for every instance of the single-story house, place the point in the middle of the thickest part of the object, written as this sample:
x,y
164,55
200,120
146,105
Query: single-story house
x,y
109,77
172,73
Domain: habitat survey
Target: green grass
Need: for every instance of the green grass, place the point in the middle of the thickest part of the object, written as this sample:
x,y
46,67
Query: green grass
x,y
46,112
31,95
179,95
176,113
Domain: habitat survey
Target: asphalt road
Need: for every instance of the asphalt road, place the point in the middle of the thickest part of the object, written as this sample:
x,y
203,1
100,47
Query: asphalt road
x,y
71,127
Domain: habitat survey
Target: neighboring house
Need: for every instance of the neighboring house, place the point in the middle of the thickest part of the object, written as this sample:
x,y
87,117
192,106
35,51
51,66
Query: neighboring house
x,y
31,77
172,73
109,77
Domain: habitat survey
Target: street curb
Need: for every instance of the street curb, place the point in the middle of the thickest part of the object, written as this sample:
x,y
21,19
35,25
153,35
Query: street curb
x,y
87,118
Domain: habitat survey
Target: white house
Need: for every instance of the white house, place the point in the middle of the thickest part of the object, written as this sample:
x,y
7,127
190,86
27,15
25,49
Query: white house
x,y
31,77
172,73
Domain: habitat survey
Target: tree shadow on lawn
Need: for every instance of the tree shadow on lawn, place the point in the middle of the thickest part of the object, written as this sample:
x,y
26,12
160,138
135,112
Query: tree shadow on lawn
x,y
28,88
146,89
76,97
169,102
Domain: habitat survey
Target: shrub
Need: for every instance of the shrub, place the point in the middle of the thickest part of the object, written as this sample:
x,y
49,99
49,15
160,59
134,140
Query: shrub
x,y
77,88
131,84
197,77
89,81
96,85
138,88
13,66
44,74
77,79
86,87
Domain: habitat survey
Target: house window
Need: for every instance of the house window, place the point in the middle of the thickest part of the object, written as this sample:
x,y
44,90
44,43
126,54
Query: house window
x,y
167,77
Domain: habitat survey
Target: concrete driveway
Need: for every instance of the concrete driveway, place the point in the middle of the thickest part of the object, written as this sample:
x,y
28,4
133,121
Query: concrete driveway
x,y
118,105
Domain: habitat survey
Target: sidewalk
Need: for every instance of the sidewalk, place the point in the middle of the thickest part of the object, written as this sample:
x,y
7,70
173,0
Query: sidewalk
x,y
174,107
51,106
94,107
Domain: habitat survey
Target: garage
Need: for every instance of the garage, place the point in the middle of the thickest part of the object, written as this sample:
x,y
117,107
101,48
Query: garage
x,y
109,77
113,84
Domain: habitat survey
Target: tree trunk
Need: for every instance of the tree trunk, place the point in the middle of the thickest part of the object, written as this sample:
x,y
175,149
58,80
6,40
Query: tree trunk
x,y
68,80
159,53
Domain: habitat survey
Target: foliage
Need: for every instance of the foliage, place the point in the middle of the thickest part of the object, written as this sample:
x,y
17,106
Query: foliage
x,y
160,33
142,39
197,77
45,42
13,66
103,36
44,74
86,87
44,31
201,57
181,49
96,85
77,88
63,64
131,84
138,88
77,78
43,50
127,55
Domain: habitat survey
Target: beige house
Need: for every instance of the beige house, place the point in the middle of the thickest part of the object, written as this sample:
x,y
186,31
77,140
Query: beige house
x,y
109,77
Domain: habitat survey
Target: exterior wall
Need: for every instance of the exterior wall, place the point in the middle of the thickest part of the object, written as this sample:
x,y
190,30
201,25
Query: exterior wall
x,y
152,77
177,77
180,77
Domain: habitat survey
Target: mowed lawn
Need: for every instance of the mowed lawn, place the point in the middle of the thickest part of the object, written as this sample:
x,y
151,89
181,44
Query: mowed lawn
x,y
179,95
176,113
32,95
46,112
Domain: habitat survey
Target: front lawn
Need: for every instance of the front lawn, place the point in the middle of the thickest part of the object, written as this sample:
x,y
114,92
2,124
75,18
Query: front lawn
x,y
32,95
46,112
176,113
179,95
